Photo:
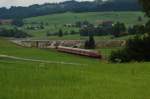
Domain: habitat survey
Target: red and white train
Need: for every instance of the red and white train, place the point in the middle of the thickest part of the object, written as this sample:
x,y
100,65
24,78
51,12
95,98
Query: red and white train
x,y
77,51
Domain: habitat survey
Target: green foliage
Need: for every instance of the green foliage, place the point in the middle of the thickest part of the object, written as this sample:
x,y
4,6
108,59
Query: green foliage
x,y
73,32
147,27
57,21
146,6
137,49
87,30
137,29
60,33
68,6
13,33
119,56
96,80
119,29
100,30
90,44
140,19
8,48
18,22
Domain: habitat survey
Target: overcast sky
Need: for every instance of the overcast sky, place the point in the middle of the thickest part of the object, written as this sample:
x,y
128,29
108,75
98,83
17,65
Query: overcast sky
x,y
8,3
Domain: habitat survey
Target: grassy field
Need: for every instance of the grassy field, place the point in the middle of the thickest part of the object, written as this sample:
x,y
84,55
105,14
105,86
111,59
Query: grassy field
x,y
95,80
57,21
8,48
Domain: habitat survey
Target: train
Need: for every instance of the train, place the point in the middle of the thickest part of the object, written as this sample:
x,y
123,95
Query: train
x,y
77,51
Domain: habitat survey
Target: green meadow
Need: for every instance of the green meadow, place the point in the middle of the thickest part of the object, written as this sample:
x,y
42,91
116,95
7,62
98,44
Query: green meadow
x,y
66,76
57,21
94,79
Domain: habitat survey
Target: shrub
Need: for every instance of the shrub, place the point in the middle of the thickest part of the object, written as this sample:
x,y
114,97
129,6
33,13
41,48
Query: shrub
x,y
119,29
119,56
18,22
13,33
60,33
137,49
90,44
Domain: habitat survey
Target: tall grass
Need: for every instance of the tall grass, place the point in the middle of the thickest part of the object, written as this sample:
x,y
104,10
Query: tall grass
x,y
96,80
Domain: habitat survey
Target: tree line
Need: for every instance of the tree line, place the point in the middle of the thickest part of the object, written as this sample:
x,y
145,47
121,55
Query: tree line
x,y
116,29
71,6
137,48
13,32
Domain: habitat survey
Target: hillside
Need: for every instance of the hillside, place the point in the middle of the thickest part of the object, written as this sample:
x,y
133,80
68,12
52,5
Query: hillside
x,y
34,53
22,79
57,21
94,49
66,6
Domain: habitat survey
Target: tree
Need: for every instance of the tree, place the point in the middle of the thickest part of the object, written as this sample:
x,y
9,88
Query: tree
x,y
68,6
146,6
13,33
90,44
119,29
78,24
140,19
98,1
60,33
87,31
147,27
18,22
137,29
72,32
136,49
41,27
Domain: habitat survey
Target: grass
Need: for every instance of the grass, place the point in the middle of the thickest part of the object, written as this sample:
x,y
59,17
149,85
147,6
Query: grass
x,y
97,80
30,80
106,52
57,21
8,48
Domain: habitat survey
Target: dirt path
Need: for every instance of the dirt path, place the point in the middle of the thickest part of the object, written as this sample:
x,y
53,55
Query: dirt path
x,y
42,61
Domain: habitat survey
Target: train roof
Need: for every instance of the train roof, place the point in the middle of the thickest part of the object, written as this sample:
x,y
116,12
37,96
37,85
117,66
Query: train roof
x,y
78,49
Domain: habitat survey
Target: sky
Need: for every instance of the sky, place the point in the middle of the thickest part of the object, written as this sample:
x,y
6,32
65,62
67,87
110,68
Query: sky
x,y
8,3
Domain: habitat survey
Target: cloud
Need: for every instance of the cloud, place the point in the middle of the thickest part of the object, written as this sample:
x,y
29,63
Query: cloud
x,y
8,3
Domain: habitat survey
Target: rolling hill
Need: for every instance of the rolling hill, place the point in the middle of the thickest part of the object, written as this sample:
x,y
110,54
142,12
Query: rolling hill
x,y
22,79
66,6
31,73
56,21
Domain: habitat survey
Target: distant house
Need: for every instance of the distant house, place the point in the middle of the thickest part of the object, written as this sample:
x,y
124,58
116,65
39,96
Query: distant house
x,y
99,22
107,23
104,23
69,25
6,21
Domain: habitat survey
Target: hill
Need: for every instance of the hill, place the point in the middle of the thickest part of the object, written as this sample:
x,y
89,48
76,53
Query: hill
x,y
67,6
95,80
57,21
34,53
